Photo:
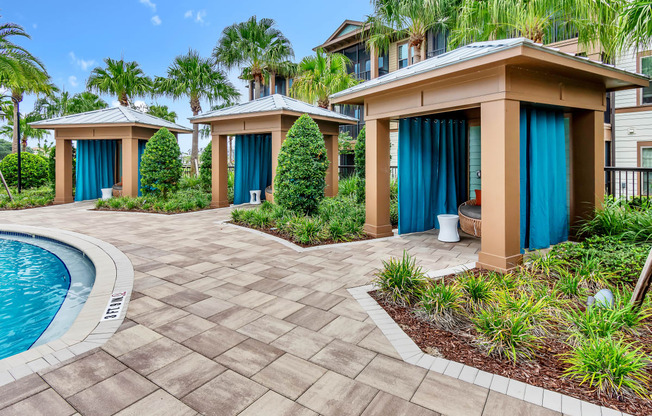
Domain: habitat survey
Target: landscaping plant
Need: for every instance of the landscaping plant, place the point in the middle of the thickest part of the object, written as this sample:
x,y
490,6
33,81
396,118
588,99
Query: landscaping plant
x,y
34,170
302,163
440,304
400,280
160,165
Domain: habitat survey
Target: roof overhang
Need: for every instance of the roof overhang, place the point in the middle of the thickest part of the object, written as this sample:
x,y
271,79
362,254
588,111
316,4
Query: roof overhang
x,y
334,42
55,126
262,114
528,56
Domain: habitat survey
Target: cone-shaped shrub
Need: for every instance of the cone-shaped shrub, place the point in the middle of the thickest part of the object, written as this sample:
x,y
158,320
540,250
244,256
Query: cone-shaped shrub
x,y
160,166
301,173
360,150
206,166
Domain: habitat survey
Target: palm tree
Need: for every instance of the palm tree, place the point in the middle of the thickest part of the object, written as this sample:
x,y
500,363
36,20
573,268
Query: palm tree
x,y
122,79
320,76
412,19
64,104
26,131
635,25
85,101
162,111
198,79
255,47
20,72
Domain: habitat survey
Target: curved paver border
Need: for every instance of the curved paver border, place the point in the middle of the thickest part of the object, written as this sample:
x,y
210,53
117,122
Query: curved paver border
x,y
411,353
113,273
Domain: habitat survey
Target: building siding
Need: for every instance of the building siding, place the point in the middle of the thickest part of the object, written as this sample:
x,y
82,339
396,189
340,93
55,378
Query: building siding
x,y
626,98
474,160
393,57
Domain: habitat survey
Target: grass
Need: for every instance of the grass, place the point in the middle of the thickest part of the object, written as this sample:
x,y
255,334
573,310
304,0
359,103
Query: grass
x,y
189,197
28,198
628,221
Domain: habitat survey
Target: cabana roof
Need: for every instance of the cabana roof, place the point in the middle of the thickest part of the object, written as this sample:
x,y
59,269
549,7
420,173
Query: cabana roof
x,y
518,51
110,117
272,105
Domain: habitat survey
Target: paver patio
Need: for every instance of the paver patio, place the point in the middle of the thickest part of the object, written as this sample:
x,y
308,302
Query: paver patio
x,y
223,321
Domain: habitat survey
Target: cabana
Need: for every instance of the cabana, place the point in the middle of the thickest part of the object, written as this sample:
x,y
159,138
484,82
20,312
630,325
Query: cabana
x,y
534,115
110,143
260,126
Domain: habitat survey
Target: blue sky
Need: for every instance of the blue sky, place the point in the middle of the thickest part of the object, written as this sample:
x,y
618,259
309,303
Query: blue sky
x,y
73,37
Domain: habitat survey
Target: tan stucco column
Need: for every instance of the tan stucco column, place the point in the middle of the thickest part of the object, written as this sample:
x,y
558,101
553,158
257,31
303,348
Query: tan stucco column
x,y
377,221
587,164
500,247
63,169
130,167
278,136
219,172
332,174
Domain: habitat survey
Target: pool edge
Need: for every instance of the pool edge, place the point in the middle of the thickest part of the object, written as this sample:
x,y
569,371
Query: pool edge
x,y
114,273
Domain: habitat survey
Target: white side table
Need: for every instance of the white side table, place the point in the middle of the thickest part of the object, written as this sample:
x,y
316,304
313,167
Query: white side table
x,y
448,228
254,197
107,193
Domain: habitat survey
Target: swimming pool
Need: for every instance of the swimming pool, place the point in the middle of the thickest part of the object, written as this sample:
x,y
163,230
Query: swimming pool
x,y
43,286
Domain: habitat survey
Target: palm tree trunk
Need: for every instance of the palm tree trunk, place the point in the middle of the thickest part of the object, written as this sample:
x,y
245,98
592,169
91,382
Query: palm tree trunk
x,y
194,152
417,52
257,92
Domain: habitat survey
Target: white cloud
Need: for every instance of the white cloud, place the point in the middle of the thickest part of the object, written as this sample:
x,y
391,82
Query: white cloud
x,y
149,4
35,26
199,17
82,63
156,20
72,80
141,106
187,14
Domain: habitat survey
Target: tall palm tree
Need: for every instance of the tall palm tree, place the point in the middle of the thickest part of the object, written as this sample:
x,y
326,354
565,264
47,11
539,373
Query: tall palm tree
x,y
20,71
26,131
85,101
321,75
65,104
197,78
162,111
255,47
635,25
412,19
120,78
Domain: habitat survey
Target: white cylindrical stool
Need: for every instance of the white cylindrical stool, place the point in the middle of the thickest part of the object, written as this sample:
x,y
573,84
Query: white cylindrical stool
x,y
448,228
254,197
107,193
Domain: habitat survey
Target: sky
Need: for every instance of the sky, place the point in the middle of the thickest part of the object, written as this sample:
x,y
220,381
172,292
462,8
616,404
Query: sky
x,y
73,37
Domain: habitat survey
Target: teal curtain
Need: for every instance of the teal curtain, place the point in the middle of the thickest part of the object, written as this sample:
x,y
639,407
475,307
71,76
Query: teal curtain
x,y
253,166
544,178
95,168
141,149
432,173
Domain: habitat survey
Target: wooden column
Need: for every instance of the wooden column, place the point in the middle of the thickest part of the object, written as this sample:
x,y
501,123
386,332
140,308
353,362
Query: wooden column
x,y
374,62
219,172
130,167
377,221
63,169
332,174
587,163
501,245
278,136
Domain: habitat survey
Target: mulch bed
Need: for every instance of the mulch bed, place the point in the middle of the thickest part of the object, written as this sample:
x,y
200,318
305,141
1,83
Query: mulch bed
x,y
546,370
288,237
150,212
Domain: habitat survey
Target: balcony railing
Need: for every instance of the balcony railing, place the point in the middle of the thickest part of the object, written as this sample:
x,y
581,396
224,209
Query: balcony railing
x,y
363,76
436,52
349,170
628,182
353,130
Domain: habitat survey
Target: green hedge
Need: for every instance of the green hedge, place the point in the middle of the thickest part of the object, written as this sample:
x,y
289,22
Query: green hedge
x,y
34,170
302,163
160,166
360,150
206,166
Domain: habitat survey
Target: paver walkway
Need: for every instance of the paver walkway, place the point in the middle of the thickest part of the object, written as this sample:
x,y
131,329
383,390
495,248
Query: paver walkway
x,y
225,322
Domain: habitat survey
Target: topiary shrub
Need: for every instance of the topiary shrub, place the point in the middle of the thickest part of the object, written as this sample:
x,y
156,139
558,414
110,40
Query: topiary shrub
x,y
52,165
160,166
301,173
34,170
206,167
360,153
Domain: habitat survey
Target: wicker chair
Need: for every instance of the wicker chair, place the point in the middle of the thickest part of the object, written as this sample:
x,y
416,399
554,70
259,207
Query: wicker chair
x,y
472,226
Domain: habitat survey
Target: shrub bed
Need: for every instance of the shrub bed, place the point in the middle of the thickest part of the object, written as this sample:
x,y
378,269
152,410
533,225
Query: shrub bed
x,y
533,324
28,198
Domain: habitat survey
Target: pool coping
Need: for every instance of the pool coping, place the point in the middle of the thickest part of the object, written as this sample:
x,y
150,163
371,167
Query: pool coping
x,y
114,273
410,352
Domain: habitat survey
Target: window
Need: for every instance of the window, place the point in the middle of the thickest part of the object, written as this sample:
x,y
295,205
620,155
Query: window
x,y
646,162
646,68
403,55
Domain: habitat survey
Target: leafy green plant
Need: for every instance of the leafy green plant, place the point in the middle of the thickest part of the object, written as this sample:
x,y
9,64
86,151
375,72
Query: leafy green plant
x,y
475,287
441,304
160,165
34,170
568,283
307,230
400,280
348,187
622,221
206,167
360,153
302,163
599,322
28,198
610,365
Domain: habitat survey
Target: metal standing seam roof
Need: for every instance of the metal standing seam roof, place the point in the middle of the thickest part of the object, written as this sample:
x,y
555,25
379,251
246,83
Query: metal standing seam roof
x,y
466,53
271,103
111,116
